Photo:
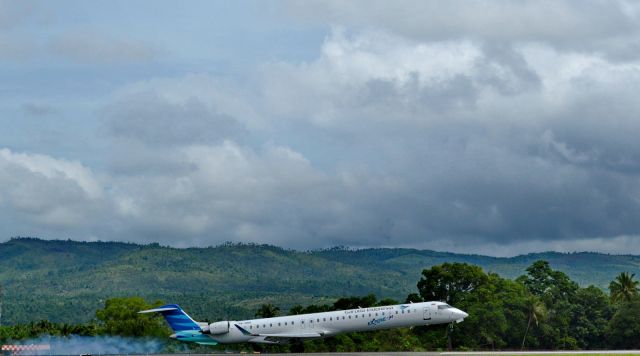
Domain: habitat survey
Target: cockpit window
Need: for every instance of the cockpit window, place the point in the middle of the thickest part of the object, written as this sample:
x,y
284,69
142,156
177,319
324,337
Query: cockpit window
x,y
444,306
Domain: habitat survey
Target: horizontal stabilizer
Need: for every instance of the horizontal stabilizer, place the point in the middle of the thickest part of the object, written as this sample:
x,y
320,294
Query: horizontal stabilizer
x,y
176,317
157,310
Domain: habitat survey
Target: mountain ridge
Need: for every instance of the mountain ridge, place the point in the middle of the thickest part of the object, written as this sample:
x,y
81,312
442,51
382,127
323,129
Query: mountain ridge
x,y
326,249
66,280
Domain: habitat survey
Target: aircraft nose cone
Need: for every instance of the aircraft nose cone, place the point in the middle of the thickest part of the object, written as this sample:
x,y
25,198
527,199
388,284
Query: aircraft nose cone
x,y
459,315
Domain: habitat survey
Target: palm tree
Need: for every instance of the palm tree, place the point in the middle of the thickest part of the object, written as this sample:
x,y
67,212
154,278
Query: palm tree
x,y
537,311
623,288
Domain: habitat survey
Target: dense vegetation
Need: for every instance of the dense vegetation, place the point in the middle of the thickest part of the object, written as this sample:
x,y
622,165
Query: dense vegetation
x,y
542,309
66,281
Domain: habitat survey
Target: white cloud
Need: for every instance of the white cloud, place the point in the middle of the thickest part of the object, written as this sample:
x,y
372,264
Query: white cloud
x,y
52,168
607,26
501,146
227,189
47,194
496,124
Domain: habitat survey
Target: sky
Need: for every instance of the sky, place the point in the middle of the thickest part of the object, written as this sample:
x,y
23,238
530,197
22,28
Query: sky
x,y
498,128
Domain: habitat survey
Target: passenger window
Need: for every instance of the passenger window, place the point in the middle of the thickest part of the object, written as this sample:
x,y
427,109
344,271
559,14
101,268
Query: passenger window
x,y
349,316
343,317
324,319
285,323
302,322
250,326
292,323
278,324
330,319
356,316
376,314
318,320
270,325
264,325
257,326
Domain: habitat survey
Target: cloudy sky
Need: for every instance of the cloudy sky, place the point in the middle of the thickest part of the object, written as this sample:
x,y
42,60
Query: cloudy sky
x,y
500,127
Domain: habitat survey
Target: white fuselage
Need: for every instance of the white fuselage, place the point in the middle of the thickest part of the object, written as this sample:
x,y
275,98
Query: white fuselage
x,y
335,322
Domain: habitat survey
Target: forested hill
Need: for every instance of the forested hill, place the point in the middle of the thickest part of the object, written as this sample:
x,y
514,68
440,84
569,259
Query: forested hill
x,y
66,281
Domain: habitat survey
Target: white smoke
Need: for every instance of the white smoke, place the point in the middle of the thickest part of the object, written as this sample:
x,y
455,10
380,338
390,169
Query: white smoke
x,y
95,345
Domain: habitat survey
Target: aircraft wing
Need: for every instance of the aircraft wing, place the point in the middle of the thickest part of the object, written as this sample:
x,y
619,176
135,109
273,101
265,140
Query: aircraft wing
x,y
281,337
292,335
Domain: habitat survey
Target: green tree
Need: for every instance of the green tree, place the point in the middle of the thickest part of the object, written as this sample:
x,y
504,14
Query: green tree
x,y
623,288
623,330
386,301
120,317
1,300
495,306
557,291
315,309
267,311
413,298
355,302
536,311
496,318
450,282
543,281
296,309
592,310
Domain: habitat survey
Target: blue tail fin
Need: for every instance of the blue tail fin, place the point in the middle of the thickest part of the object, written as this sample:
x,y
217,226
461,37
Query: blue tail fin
x,y
176,317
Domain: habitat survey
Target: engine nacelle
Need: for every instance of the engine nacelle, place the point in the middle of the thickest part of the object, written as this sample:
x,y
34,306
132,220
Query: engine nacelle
x,y
220,327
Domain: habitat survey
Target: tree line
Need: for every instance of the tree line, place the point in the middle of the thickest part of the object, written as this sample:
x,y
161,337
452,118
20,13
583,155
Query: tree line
x,y
118,317
541,310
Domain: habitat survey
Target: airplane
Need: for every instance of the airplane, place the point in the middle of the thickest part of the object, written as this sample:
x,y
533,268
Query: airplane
x,y
283,329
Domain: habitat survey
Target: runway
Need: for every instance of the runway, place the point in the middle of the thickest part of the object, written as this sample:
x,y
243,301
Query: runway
x,y
468,353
